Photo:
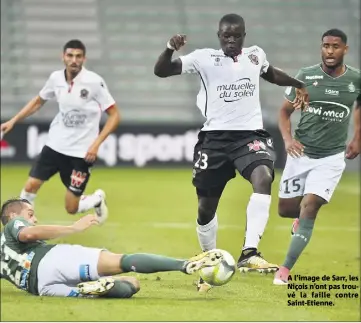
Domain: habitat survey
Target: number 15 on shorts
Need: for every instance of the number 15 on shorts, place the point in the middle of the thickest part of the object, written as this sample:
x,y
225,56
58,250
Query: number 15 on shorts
x,y
201,161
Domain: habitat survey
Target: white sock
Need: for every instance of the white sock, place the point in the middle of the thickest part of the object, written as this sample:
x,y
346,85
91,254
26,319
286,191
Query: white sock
x,y
257,217
207,234
88,202
28,196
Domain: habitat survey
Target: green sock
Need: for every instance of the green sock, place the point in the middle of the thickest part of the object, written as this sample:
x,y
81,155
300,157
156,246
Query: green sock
x,y
146,263
121,289
299,241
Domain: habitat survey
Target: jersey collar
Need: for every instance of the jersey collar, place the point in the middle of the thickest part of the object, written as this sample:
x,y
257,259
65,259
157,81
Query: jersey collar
x,y
83,69
235,58
346,69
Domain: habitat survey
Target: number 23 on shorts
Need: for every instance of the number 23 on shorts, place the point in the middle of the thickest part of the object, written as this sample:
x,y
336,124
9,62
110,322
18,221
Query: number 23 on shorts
x,y
201,160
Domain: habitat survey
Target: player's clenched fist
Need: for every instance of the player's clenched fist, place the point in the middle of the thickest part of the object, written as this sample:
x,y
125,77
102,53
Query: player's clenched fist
x,y
177,41
6,127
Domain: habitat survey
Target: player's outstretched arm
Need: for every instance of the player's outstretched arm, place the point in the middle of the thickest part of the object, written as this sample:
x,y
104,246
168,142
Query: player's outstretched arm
x,y
278,77
165,66
292,146
47,232
30,108
354,147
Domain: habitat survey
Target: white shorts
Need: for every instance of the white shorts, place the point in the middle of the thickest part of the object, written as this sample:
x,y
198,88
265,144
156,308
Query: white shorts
x,y
65,266
306,175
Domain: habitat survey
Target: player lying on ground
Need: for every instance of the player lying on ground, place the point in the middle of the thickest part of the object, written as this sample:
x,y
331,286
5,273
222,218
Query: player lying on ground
x,y
233,137
74,138
316,154
73,270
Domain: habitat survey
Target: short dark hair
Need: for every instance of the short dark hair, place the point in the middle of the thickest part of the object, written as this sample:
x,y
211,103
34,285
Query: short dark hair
x,y
336,33
232,18
12,205
76,44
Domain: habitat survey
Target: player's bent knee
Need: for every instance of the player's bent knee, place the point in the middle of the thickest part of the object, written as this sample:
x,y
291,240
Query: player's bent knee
x,y
207,207
286,209
71,203
260,174
71,208
32,185
311,204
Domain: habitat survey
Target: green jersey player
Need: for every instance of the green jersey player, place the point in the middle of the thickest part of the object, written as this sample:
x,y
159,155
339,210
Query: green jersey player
x,y
316,152
73,270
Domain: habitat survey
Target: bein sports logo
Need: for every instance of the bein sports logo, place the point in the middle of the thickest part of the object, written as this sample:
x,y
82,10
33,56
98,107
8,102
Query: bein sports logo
x,y
137,148
6,149
337,113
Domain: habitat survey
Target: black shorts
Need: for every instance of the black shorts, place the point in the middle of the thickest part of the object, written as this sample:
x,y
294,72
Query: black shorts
x,y
216,152
74,172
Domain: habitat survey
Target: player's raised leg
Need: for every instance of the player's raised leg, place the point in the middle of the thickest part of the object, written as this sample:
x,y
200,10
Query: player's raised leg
x,y
75,174
80,204
320,184
310,206
290,208
260,175
292,186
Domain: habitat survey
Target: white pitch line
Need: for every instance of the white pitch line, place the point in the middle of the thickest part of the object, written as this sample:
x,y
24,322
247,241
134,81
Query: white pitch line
x,y
192,226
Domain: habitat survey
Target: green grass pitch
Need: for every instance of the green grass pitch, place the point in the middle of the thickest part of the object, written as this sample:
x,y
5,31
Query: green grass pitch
x,y
154,211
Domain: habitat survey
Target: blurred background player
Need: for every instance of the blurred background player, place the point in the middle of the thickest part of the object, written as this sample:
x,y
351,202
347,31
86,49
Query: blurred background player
x,y
39,268
316,153
74,138
233,136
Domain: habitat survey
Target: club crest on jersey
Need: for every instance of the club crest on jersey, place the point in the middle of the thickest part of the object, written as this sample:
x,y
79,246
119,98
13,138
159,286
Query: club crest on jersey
x,y
254,59
18,224
217,62
351,87
84,94
256,145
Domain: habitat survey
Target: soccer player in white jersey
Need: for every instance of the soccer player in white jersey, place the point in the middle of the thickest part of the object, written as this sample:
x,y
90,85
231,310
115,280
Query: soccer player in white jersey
x,y
233,137
74,138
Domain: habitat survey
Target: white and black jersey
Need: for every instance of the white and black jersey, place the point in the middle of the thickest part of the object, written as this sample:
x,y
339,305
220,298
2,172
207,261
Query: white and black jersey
x,y
229,89
81,104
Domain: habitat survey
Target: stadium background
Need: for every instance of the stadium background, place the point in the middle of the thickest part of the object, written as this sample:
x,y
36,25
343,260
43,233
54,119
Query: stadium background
x,y
160,121
124,39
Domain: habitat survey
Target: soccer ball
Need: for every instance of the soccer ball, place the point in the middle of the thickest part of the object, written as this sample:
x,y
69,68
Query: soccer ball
x,y
221,273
